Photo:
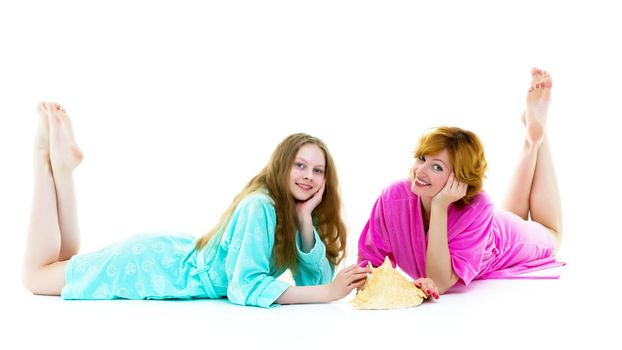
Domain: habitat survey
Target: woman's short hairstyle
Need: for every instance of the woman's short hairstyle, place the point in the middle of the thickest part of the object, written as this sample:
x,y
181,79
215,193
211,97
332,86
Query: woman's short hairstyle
x,y
466,155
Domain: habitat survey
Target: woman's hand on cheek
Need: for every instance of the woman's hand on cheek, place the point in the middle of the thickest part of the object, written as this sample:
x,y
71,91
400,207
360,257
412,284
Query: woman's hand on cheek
x,y
454,190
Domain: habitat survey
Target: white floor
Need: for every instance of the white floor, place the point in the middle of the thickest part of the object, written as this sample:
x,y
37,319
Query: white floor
x,y
514,314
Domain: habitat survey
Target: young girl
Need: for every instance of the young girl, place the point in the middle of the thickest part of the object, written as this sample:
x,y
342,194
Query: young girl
x,y
287,216
439,226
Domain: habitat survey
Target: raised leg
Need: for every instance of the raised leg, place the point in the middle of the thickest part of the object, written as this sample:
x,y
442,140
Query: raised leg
x,y
533,190
545,202
53,235
44,240
65,156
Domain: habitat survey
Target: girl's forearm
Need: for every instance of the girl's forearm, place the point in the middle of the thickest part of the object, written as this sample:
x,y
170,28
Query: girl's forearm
x,y
307,238
305,295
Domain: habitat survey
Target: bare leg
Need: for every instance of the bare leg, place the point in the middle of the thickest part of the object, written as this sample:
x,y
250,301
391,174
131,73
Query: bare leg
x,y
65,155
517,197
533,190
545,203
44,239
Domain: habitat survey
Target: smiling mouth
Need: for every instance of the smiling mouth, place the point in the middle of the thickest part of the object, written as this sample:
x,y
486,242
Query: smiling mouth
x,y
421,183
304,187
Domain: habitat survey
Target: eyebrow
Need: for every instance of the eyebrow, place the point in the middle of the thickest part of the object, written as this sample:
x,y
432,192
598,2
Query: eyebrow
x,y
304,160
439,161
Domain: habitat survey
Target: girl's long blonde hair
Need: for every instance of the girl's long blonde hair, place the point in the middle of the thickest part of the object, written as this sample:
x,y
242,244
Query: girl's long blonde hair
x,y
274,177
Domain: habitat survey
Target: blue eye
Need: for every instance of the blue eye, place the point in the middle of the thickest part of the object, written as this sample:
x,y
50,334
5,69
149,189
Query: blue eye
x,y
318,171
299,165
437,167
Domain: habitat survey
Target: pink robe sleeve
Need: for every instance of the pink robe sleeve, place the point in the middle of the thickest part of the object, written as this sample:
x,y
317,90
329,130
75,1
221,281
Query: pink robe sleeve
x,y
374,244
468,235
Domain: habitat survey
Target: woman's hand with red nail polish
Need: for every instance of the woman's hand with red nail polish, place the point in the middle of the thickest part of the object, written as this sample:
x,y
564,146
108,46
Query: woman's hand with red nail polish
x,y
428,286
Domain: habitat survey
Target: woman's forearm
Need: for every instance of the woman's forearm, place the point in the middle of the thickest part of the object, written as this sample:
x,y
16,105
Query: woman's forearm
x,y
438,259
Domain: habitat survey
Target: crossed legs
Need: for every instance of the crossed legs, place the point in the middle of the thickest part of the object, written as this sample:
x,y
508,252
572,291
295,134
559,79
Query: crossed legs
x,y
53,234
533,189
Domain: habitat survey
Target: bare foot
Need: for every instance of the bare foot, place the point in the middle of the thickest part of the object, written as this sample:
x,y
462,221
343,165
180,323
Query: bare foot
x,y
42,140
65,155
538,99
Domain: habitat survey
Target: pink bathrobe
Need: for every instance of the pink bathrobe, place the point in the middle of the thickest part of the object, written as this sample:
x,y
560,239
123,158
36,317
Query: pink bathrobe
x,y
483,242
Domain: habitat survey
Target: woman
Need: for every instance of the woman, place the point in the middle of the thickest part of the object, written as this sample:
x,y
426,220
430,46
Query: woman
x,y
439,226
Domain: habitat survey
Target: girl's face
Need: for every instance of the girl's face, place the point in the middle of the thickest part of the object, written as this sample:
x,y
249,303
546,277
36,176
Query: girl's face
x,y
430,174
307,174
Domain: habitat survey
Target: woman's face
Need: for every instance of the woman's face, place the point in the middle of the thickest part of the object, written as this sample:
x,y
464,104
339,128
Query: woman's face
x,y
430,174
307,174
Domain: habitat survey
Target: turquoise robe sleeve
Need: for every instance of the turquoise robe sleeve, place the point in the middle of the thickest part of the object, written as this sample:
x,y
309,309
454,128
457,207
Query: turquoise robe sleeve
x,y
313,267
250,253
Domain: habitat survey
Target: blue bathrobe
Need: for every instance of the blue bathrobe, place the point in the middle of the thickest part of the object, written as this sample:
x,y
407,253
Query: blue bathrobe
x,y
238,266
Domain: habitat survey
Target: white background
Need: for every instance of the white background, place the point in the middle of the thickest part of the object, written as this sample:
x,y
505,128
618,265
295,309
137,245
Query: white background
x,y
176,105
